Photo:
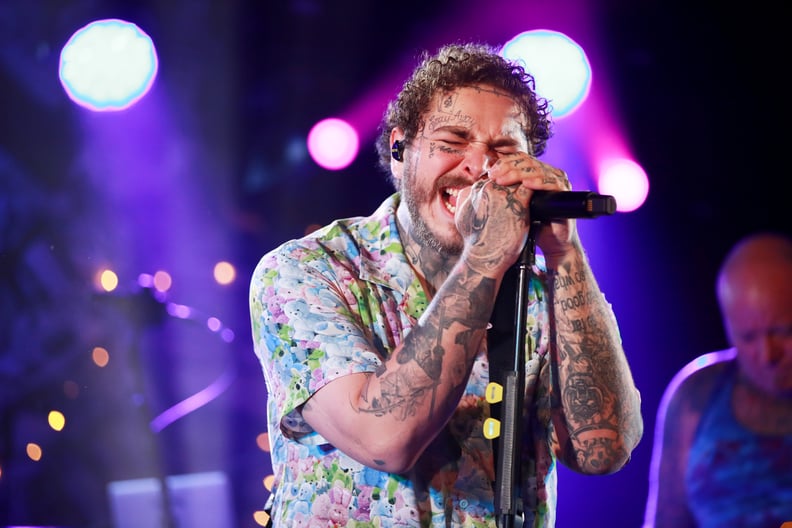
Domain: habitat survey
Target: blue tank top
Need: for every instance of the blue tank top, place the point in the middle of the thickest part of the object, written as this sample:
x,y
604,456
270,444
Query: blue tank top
x,y
736,477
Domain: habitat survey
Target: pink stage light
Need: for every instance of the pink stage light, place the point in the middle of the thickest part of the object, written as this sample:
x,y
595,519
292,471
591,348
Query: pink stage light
x,y
333,143
626,181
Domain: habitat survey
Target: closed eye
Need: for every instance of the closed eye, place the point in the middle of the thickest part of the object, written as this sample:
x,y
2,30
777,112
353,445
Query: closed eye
x,y
506,151
452,141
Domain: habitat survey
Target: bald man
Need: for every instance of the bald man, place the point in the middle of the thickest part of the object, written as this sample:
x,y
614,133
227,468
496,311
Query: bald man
x,y
723,439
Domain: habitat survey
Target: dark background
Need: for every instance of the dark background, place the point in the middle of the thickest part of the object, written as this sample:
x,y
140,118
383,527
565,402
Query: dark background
x,y
221,177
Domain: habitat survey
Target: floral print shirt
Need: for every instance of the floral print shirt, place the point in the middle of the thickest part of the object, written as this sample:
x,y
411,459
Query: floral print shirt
x,y
337,302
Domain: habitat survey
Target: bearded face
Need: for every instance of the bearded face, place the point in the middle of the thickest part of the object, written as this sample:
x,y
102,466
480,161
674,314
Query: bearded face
x,y
464,130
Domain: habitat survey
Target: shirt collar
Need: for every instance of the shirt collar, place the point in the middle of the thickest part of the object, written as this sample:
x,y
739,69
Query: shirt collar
x,y
382,258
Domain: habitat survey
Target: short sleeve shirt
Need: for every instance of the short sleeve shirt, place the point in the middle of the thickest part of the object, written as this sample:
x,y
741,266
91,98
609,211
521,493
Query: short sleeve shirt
x,y
337,302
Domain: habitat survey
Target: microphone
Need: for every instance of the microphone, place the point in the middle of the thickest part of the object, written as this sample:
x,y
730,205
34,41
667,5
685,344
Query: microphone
x,y
557,205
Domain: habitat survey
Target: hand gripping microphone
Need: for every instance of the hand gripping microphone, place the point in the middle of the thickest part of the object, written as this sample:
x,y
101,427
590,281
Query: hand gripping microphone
x,y
557,205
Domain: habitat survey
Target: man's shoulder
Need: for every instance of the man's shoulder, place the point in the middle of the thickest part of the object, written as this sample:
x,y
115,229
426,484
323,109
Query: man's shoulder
x,y
695,381
707,366
344,242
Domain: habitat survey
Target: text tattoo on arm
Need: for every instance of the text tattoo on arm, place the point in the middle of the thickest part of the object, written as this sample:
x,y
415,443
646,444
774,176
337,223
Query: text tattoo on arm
x,y
585,356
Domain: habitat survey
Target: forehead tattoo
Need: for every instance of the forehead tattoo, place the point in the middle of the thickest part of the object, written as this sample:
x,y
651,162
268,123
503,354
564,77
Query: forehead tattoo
x,y
448,113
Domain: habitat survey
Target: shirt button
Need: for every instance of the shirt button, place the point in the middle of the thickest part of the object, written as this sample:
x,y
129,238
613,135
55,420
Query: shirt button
x,y
463,503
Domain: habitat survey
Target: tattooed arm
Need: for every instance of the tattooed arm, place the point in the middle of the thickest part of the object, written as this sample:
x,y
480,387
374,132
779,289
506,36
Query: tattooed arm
x,y
387,419
599,422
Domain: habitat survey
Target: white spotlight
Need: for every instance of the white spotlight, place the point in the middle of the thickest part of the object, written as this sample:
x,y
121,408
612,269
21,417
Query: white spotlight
x,y
108,65
559,66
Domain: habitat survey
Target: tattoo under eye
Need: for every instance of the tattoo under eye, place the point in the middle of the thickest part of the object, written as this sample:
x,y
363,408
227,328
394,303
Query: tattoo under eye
x,y
450,150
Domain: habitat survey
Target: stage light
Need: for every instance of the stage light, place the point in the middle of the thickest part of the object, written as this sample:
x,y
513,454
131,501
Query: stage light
x,y
626,181
224,273
108,280
261,517
34,451
559,65
108,65
269,482
162,281
56,420
262,441
333,143
100,356
214,324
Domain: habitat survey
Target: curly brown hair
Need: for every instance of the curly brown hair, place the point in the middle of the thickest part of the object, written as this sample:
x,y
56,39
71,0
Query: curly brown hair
x,y
455,66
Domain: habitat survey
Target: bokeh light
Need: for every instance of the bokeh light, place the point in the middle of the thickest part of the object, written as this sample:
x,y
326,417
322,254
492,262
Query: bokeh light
x,y
108,65
224,273
162,281
261,517
262,441
333,143
108,280
100,356
269,482
559,66
33,451
626,181
56,420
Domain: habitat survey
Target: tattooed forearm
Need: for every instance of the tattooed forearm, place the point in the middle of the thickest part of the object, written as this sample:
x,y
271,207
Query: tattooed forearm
x,y
439,350
601,412
572,292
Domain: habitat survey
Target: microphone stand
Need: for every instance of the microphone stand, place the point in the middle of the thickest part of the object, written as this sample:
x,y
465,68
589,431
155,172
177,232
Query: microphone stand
x,y
508,500
546,205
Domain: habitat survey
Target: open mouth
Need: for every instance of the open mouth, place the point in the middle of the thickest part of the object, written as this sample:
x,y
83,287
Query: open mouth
x,y
449,198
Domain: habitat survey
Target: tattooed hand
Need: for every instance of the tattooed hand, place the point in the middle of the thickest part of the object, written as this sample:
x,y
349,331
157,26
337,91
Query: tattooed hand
x,y
492,220
556,238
